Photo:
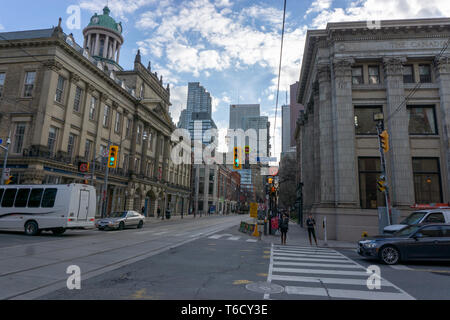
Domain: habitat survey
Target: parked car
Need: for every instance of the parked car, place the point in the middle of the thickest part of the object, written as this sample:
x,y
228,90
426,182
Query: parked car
x,y
414,242
121,220
418,217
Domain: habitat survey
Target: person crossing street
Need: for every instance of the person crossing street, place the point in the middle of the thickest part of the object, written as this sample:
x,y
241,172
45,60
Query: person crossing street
x,y
311,223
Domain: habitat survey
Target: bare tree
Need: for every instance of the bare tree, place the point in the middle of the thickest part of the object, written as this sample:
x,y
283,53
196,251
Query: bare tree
x,y
287,181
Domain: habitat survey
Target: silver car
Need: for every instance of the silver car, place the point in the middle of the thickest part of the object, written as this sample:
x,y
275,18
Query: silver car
x,y
121,220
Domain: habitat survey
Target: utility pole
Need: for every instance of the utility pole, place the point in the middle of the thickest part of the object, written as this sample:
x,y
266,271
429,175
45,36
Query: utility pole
x,y
8,142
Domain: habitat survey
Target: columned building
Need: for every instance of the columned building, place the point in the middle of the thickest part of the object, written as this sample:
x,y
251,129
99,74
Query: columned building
x,y
64,104
349,73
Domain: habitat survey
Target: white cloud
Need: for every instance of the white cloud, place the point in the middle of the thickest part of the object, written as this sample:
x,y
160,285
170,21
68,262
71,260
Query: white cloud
x,y
178,98
198,36
118,7
2,27
362,10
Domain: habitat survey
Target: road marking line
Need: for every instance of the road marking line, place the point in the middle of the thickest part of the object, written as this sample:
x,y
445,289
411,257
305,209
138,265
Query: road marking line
x,y
331,265
341,261
252,240
304,249
234,238
306,255
269,276
160,233
322,271
343,293
307,252
401,267
345,281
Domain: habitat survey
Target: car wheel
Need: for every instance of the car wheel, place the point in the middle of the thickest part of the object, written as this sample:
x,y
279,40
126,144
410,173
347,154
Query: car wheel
x,y
121,226
389,255
141,223
58,231
31,228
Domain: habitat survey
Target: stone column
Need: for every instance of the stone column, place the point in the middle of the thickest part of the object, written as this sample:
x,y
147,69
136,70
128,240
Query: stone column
x,y
144,149
118,54
97,45
113,53
316,133
157,154
442,66
398,159
166,156
327,190
346,173
105,48
68,111
133,146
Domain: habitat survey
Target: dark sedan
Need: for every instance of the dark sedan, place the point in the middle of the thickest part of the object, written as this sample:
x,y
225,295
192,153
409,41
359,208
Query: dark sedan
x,y
416,242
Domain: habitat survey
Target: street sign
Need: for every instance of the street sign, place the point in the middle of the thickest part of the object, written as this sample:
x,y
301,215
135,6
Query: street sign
x,y
83,167
1,141
7,173
253,210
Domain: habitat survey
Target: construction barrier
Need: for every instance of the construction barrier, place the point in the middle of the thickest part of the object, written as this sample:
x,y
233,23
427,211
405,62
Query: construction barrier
x,y
247,227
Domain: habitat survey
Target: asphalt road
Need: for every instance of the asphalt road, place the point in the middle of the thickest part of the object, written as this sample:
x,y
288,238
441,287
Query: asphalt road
x,y
202,259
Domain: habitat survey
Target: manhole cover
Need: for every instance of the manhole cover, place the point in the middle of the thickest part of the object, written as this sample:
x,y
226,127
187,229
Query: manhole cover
x,y
264,287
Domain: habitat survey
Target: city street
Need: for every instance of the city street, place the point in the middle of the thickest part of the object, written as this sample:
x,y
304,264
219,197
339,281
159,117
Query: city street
x,y
202,259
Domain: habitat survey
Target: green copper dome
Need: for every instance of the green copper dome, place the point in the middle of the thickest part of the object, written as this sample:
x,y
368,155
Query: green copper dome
x,y
105,21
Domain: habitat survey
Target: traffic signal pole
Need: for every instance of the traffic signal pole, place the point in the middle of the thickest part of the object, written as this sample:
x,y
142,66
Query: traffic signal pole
x,y
105,187
8,142
380,129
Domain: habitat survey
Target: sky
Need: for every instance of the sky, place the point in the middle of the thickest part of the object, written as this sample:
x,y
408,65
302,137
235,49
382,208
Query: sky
x,y
232,47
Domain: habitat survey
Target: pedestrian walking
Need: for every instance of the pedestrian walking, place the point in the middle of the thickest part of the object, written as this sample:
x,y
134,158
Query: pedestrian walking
x,y
311,223
284,226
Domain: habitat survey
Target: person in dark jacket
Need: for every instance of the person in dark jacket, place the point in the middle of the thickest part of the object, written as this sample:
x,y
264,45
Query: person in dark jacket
x,y
284,226
310,224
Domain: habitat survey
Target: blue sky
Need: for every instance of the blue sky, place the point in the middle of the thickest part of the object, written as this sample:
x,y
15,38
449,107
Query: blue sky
x,y
230,46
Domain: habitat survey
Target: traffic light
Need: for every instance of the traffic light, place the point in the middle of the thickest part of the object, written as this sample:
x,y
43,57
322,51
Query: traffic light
x,y
10,180
384,141
237,163
270,180
112,159
381,184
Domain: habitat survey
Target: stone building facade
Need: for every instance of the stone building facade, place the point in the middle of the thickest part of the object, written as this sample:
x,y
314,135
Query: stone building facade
x,y
350,72
63,106
215,187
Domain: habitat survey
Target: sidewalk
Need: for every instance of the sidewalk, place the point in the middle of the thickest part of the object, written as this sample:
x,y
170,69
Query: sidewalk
x,y
298,236
177,217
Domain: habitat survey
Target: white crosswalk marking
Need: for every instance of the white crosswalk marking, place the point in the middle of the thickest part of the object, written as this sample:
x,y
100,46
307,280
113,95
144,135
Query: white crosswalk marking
x,y
321,272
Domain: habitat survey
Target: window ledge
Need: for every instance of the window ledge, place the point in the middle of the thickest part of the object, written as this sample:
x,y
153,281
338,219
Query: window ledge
x,y
426,136
368,87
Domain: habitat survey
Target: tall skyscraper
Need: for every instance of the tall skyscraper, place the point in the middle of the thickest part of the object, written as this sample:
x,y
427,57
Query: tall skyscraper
x,y
239,112
197,117
285,128
295,109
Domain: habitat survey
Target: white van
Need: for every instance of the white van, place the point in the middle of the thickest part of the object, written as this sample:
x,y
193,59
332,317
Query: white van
x,y
441,215
56,208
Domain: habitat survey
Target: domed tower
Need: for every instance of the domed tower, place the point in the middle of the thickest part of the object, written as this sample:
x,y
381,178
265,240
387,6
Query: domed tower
x,y
103,39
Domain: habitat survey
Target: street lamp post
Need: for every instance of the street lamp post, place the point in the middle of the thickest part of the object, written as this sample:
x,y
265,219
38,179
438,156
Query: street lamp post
x,y
8,142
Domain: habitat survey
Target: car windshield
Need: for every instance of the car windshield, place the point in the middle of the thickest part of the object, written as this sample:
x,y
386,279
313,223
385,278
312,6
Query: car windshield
x,y
406,231
122,214
414,218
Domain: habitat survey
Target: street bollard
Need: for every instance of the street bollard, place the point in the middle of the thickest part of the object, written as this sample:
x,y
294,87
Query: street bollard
x,y
325,231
